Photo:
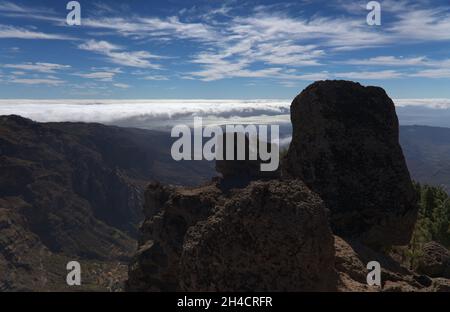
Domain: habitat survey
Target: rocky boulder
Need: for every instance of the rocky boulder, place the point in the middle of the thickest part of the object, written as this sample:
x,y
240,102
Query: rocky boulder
x,y
271,236
169,212
352,258
441,285
345,147
435,260
240,172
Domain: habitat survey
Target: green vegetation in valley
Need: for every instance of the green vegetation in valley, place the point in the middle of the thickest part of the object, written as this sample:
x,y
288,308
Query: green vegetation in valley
x,y
433,222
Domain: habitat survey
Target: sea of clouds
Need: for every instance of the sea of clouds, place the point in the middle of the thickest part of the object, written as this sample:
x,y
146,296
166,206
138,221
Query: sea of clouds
x,y
164,114
160,115
118,111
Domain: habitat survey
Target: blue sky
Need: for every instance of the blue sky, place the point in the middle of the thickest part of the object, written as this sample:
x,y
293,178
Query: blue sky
x,y
220,49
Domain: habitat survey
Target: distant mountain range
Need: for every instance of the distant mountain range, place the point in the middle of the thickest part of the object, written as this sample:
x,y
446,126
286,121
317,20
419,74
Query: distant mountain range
x,y
427,152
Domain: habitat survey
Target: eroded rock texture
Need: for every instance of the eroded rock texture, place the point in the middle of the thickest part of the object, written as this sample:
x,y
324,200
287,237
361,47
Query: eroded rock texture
x,y
435,260
169,212
239,173
271,236
345,147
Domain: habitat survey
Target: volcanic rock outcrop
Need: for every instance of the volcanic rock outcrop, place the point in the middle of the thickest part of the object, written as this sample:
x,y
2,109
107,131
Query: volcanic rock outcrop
x,y
351,259
435,260
169,212
269,236
238,173
345,147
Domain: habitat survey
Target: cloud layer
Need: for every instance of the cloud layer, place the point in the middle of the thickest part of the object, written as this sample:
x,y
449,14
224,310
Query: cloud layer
x,y
115,111
160,114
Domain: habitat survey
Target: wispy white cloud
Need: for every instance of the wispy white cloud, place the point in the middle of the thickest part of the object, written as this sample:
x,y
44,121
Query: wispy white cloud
x,y
216,68
152,27
421,66
101,75
103,7
117,55
370,75
423,24
10,9
88,85
14,32
389,61
433,73
420,61
18,73
156,77
392,6
121,85
290,80
38,67
38,81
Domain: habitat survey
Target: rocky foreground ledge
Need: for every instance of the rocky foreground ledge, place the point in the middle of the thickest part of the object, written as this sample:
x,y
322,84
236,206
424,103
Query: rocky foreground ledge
x,y
344,175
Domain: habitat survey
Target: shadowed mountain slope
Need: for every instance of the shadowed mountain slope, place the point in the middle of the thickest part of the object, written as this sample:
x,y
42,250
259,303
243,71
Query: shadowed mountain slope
x,y
427,153
74,191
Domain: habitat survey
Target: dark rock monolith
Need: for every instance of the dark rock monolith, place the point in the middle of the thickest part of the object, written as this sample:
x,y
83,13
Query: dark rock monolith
x,y
345,147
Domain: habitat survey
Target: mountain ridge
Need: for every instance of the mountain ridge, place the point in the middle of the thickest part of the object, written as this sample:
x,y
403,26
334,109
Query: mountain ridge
x,y
74,191
427,152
